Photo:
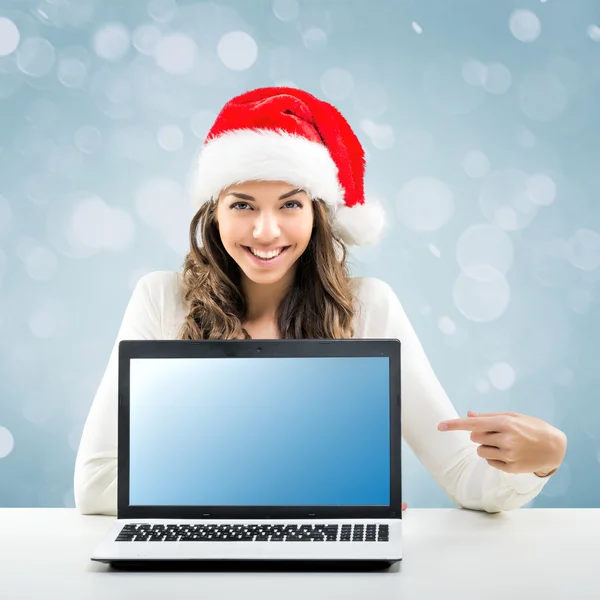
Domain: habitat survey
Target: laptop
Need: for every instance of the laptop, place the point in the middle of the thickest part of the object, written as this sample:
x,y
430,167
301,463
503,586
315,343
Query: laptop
x,y
257,450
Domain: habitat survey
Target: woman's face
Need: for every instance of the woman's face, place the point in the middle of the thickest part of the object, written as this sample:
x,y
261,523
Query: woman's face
x,y
265,226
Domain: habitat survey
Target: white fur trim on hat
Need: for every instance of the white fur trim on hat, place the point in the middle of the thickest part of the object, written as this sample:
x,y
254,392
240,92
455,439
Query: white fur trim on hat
x,y
255,155
361,224
250,155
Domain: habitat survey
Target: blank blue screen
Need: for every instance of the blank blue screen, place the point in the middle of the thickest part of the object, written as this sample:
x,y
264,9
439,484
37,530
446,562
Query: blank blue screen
x,y
260,431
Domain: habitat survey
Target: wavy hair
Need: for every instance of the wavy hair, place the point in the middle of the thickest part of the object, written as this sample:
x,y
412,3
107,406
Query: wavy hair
x,y
318,305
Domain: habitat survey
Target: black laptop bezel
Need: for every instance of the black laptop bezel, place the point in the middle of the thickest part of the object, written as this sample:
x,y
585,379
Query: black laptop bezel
x,y
129,349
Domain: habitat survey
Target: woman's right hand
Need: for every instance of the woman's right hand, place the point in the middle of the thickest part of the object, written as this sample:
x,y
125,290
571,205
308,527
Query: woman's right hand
x,y
404,506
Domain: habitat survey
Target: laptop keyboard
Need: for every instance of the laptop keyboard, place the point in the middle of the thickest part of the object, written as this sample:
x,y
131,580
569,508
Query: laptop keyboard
x,y
144,532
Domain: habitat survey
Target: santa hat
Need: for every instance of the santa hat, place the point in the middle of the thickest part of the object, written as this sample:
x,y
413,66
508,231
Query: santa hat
x,y
286,134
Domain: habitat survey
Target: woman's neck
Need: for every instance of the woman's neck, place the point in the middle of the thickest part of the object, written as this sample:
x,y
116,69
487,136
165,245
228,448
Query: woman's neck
x,y
263,300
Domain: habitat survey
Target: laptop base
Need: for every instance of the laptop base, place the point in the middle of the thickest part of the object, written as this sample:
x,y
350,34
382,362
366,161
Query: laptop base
x,y
250,565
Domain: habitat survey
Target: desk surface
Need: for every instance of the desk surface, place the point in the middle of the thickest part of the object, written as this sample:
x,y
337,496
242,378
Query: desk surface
x,y
448,553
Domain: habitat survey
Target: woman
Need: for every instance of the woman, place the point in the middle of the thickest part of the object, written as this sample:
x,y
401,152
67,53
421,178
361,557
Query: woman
x,y
280,194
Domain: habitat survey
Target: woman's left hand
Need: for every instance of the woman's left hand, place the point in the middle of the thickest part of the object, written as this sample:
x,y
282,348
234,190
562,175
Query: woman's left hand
x,y
512,442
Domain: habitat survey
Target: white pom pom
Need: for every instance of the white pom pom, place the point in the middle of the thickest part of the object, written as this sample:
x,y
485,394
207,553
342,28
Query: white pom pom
x,y
361,224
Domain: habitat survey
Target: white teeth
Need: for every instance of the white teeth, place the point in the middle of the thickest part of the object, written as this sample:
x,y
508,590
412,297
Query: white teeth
x,y
266,255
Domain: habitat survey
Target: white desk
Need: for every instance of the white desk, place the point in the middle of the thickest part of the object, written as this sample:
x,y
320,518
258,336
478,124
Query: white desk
x,y
448,553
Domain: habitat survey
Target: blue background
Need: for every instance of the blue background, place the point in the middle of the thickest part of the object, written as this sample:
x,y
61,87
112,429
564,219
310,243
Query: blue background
x,y
260,431
481,127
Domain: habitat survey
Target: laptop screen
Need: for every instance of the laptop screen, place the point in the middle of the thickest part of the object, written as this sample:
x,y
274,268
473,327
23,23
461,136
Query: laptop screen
x,y
259,431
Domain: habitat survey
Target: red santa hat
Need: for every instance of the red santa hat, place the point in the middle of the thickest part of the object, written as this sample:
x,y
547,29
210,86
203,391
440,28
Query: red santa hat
x,y
286,134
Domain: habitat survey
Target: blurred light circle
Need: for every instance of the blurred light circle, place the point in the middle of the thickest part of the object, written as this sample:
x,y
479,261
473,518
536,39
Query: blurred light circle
x,y
99,226
7,442
483,295
382,136
482,386
9,36
202,121
542,97
425,204
35,56
88,139
145,38
474,72
502,376
162,11
476,164
40,262
42,324
484,244
170,138
176,53
593,32
237,50
153,197
337,84
584,249
72,73
112,90
111,41
286,10
82,224
446,325
446,89
526,139
164,204
541,189
497,79
37,413
314,38
525,25
504,199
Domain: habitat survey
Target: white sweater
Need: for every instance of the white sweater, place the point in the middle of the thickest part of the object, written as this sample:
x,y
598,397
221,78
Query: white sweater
x,y
156,311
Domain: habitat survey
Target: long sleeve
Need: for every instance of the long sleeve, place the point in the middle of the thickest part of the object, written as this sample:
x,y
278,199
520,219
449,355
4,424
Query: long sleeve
x,y
451,457
95,477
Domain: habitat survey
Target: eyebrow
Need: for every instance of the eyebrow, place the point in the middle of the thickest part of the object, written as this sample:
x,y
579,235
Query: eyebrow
x,y
246,197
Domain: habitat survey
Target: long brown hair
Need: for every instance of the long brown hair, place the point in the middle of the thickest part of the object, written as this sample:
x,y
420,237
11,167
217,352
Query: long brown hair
x,y
318,305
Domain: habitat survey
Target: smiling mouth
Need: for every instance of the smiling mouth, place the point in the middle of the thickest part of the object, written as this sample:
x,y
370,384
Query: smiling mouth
x,y
266,256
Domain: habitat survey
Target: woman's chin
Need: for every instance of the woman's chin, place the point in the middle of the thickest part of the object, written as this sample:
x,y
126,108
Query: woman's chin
x,y
262,278
265,276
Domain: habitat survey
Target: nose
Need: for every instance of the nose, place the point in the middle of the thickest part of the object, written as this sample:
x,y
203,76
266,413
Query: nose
x,y
266,227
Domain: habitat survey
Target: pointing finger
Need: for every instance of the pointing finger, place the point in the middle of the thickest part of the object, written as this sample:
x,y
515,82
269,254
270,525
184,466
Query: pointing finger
x,y
470,424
